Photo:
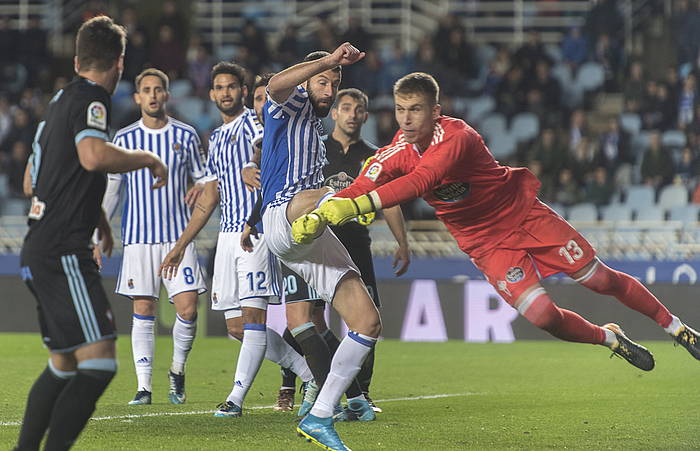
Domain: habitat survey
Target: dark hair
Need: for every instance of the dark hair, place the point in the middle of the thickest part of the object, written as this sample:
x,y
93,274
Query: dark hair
x,y
99,43
355,93
418,83
224,67
262,80
155,73
317,55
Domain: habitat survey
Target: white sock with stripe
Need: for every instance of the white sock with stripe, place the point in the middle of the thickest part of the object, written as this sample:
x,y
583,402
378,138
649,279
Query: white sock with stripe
x,y
250,358
183,335
143,347
346,363
281,353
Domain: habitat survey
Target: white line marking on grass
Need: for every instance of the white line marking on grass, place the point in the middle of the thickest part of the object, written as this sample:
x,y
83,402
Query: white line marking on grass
x,y
203,412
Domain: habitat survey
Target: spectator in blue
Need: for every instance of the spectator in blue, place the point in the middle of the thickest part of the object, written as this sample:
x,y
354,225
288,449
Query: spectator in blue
x,y
574,47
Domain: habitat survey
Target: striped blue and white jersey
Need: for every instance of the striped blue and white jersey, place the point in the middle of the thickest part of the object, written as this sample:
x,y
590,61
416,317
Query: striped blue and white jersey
x,y
230,147
156,216
293,154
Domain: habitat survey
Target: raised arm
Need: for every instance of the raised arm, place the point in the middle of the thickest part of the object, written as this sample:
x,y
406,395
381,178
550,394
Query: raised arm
x,y
283,83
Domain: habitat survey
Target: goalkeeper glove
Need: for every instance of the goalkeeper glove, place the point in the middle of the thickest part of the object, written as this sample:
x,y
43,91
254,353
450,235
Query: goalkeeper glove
x,y
338,211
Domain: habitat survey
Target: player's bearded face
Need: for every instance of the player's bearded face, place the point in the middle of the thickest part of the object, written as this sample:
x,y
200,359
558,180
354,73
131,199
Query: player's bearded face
x,y
152,96
228,94
322,89
416,116
259,99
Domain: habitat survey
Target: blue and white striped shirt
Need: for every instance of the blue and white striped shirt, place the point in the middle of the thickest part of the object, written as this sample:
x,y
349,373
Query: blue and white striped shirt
x,y
293,153
230,147
156,216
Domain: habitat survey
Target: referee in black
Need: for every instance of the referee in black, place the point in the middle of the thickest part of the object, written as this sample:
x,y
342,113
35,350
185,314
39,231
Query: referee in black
x,y
72,155
346,153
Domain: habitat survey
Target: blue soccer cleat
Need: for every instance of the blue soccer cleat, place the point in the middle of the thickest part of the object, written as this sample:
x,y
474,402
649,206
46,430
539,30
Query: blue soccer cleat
x,y
320,431
357,410
177,388
142,398
310,394
227,409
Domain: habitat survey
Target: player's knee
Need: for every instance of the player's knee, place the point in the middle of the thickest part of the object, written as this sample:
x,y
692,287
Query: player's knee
x,y
367,324
145,307
601,279
188,313
236,331
539,310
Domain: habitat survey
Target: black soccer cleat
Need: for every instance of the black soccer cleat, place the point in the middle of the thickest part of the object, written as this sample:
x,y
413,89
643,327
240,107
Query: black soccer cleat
x,y
176,394
689,339
634,353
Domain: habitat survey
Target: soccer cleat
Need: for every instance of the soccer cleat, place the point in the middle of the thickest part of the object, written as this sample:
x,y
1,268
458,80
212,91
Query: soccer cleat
x,y
634,353
356,410
228,409
177,388
372,404
285,400
689,339
310,393
320,431
142,398
306,227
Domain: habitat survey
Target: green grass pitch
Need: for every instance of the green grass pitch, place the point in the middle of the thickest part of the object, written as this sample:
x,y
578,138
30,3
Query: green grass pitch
x,y
526,395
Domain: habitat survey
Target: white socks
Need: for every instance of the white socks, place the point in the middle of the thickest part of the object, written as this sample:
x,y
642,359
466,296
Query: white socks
x,y
142,346
674,326
281,353
345,365
610,337
183,336
250,358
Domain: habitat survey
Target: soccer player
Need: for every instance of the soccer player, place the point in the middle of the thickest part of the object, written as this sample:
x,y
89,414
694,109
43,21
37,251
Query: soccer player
x,y
243,283
151,223
346,153
293,157
68,177
495,216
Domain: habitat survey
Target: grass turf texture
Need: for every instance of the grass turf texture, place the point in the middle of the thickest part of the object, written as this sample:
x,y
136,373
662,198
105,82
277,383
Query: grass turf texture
x,y
525,395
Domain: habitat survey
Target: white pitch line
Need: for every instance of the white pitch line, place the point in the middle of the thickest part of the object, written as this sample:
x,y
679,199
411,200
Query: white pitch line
x,y
203,412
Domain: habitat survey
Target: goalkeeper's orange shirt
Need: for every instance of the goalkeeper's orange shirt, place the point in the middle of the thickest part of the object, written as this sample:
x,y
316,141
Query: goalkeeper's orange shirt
x,y
480,201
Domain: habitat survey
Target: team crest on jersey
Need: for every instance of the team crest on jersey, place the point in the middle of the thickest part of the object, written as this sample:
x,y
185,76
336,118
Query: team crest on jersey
x,y
515,274
97,115
233,137
130,283
373,172
451,192
177,148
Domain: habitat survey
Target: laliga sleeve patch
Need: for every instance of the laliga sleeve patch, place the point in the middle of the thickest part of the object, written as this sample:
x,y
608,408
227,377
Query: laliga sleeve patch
x,y
97,115
373,172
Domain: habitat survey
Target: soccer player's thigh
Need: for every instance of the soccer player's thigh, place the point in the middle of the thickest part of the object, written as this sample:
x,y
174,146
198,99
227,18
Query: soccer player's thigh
x,y
511,272
259,276
138,277
295,288
224,284
561,248
362,257
73,306
185,287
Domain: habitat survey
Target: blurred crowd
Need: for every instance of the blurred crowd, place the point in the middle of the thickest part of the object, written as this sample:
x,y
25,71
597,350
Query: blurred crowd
x,y
575,162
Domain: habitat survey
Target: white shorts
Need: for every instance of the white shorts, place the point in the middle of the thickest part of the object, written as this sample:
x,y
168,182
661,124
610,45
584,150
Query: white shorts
x,y
141,263
244,279
321,264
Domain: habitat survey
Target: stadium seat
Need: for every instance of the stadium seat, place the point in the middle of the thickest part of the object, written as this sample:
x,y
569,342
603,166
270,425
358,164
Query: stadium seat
x,y
478,107
502,146
631,123
640,142
650,213
616,213
180,88
562,72
554,52
639,196
189,108
585,212
590,76
525,126
673,138
492,125
559,208
673,196
687,214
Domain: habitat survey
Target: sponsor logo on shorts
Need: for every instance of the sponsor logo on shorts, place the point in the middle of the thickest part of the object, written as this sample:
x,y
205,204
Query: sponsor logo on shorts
x,y
373,172
515,274
130,283
501,284
451,192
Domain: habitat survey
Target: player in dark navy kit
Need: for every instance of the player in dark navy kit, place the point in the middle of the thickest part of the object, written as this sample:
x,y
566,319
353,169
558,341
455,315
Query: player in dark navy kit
x,y
68,178
347,153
